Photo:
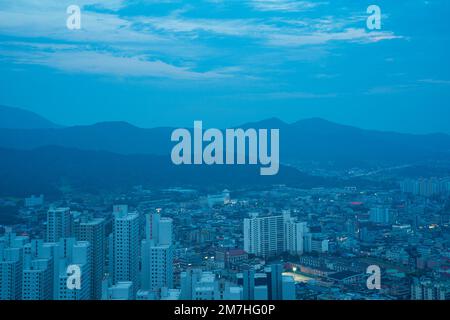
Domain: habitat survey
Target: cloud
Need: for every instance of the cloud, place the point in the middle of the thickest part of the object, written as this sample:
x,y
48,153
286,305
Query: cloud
x,y
417,85
227,27
435,81
50,5
281,95
32,18
299,33
284,5
124,48
319,38
27,19
73,59
382,90
182,39
325,76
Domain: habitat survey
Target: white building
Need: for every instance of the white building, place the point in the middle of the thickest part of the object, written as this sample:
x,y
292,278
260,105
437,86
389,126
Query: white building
x,y
37,280
125,247
272,235
232,292
157,266
199,285
315,243
34,201
426,289
319,245
122,290
293,236
46,266
93,231
264,236
73,253
165,231
381,215
157,254
59,224
10,274
11,264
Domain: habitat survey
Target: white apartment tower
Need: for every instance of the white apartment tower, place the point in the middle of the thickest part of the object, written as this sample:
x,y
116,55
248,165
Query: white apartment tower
x,y
11,264
10,273
93,231
157,254
125,246
37,280
59,224
293,236
78,253
264,236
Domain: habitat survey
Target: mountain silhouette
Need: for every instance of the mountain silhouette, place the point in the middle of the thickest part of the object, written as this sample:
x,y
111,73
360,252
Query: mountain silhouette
x,y
117,155
46,169
305,140
16,118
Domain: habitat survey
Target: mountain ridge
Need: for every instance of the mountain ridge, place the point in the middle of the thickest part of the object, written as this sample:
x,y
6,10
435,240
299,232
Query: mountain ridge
x,y
18,118
313,139
46,169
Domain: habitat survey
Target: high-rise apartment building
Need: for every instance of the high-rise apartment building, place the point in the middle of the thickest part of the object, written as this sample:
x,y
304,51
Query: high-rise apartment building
x,y
264,236
59,224
93,231
293,236
125,246
157,254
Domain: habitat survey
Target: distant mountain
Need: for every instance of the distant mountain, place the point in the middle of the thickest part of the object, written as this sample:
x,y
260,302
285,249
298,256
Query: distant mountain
x,y
117,137
321,140
306,140
45,170
15,118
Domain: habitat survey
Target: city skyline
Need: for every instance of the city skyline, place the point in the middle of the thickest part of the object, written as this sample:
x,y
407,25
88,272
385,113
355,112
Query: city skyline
x,y
288,244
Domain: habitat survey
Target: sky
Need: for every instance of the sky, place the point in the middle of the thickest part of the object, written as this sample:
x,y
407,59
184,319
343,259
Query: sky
x,y
168,63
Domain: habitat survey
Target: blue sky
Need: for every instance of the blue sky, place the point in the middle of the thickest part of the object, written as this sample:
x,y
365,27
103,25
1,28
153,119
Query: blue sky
x,y
156,63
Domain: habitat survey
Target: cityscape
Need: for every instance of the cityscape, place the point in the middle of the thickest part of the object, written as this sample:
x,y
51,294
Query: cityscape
x,y
279,243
